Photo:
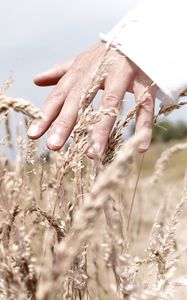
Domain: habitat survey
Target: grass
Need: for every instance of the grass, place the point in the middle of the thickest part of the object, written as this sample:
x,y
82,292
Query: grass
x,y
67,231
176,168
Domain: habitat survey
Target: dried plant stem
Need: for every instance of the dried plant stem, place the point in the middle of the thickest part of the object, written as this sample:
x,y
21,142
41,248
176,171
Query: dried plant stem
x,y
84,221
19,105
167,109
134,195
164,159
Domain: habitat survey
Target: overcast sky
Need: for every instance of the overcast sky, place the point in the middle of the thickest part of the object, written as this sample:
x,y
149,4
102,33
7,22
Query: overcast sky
x,y
37,34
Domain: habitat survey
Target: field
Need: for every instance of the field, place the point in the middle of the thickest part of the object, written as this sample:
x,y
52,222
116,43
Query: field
x,y
73,228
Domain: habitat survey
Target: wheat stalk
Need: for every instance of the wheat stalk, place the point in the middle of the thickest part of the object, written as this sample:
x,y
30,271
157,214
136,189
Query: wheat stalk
x,y
19,105
164,159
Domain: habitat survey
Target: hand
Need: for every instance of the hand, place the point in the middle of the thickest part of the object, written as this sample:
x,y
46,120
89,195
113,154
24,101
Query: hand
x,y
71,79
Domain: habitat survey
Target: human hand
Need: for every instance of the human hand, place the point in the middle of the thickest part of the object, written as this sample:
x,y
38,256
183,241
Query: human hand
x,y
71,79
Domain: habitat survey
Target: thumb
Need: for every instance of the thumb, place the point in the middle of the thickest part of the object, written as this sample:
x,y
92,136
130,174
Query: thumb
x,y
53,75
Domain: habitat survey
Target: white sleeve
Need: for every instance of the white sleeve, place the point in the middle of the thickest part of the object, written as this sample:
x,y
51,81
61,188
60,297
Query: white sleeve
x,y
153,36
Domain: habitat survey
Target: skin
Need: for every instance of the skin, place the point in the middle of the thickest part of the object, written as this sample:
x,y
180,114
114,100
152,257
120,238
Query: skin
x,y
71,78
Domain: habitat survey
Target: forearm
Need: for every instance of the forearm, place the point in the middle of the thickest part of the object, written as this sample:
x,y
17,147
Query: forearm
x,y
153,37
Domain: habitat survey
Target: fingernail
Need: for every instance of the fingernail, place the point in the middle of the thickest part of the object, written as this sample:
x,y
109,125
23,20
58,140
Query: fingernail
x,y
34,130
54,140
95,149
46,73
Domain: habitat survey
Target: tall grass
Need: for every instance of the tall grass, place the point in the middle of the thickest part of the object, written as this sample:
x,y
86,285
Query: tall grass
x,y
68,227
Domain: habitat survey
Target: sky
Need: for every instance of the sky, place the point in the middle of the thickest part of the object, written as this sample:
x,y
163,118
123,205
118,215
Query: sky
x,y
37,34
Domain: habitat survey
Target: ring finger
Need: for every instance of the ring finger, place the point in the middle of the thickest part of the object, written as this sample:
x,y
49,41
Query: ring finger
x,y
116,85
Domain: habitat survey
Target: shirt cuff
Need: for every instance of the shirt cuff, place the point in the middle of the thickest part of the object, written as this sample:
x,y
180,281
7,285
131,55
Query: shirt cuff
x,y
153,36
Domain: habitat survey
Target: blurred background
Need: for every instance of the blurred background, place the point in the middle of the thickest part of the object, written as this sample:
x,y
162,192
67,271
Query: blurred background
x,y
37,34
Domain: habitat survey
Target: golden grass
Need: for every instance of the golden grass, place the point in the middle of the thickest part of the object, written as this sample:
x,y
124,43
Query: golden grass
x,y
68,227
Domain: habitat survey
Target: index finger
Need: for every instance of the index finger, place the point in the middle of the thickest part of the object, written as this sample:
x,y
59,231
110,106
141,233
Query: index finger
x,y
53,105
65,122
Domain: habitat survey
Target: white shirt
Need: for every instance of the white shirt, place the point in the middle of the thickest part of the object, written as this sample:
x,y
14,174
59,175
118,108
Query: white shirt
x,y
153,35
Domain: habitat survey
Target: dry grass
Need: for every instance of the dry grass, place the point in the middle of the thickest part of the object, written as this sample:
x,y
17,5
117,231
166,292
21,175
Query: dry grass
x,y
68,227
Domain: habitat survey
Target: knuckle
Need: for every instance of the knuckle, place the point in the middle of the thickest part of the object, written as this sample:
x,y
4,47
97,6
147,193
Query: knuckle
x,y
102,132
57,94
77,68
148,105
144,123
148,124
111,100
77,91
79,63
62,124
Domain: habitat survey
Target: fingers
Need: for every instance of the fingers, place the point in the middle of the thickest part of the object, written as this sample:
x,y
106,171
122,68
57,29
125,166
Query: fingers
x,y
53,75
145,115
115,87
53,105
66,120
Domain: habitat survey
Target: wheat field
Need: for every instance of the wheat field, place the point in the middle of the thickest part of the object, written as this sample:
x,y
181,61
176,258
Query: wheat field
x,y
72,228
